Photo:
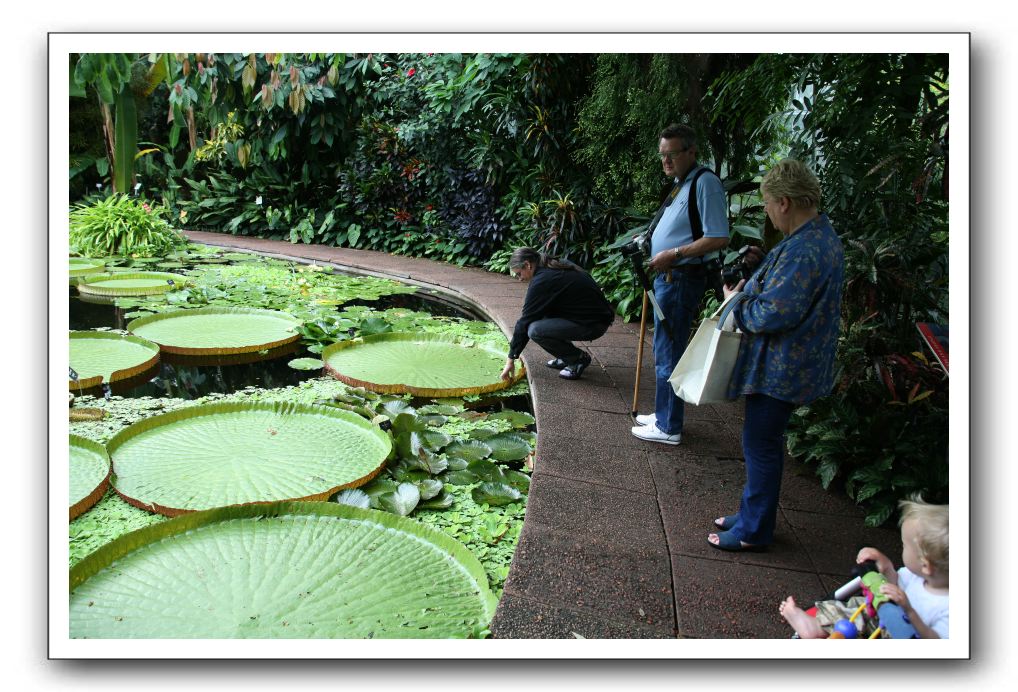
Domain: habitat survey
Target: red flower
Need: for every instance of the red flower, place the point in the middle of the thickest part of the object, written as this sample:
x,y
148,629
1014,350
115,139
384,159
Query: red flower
x,y
410,72
428,207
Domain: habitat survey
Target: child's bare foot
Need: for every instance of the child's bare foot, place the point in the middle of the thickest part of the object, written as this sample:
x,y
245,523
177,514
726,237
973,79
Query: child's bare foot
x,y
805,626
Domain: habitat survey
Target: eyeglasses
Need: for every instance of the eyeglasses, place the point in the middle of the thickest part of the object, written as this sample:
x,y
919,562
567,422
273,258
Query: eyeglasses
x,y
670,155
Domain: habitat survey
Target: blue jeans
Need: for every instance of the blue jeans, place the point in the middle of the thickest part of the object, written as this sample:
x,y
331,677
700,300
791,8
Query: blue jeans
x,y
763,445
679,300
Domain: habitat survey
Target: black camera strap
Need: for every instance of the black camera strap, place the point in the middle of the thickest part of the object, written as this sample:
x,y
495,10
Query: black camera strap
x,y
695,222
669,198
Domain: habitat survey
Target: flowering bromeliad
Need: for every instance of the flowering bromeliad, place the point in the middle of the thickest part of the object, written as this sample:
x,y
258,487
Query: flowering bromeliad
x,y
402,216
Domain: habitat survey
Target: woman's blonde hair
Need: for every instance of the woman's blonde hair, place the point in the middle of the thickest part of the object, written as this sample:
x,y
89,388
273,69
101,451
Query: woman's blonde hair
x,y
792,179
932,530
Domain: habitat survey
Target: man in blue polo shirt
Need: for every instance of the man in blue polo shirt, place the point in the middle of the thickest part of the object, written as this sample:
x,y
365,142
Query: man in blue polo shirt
x,y
679,254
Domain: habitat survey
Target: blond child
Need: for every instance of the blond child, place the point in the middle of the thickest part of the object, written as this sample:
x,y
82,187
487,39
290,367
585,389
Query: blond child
x,y
920,587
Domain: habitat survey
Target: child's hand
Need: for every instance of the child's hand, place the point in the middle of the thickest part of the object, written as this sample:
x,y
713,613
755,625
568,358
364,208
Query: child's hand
x,y
894,592
884,564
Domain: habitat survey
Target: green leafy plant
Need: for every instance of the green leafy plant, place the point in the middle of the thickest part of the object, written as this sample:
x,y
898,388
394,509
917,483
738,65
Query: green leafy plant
x,y
121,225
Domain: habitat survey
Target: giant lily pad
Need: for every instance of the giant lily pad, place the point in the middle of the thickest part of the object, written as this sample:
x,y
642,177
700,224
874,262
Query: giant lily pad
x,y
285,570
130,284
82,266
105,356
89,474
217,331
431,365
222,454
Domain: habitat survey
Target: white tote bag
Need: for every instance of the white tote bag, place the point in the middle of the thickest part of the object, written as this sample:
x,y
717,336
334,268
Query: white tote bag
x,y
705,369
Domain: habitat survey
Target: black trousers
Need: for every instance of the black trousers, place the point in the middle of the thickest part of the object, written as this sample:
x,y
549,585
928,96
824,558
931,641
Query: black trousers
x,y
556,336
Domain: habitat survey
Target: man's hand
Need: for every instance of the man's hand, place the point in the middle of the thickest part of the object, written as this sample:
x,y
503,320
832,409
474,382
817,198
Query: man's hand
x,y
663,260
509,370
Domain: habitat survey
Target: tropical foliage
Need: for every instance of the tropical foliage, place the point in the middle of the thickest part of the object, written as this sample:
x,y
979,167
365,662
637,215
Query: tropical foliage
x,y
121,225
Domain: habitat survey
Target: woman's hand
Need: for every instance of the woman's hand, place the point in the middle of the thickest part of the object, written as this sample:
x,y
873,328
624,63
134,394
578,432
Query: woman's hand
x,y
729,292
509,370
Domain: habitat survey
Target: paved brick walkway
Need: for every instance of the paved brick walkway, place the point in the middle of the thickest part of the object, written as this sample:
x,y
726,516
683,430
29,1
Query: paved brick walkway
x,y
614,542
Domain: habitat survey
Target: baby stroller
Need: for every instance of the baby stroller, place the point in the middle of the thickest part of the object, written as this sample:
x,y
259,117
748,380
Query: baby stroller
x,y
891,620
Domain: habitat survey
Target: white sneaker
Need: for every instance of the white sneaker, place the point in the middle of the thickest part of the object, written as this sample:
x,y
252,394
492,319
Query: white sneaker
x,y
647,419
650,433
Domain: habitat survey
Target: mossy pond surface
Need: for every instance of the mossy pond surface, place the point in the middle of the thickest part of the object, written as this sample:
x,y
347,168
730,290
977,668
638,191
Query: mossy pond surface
x,y
459,465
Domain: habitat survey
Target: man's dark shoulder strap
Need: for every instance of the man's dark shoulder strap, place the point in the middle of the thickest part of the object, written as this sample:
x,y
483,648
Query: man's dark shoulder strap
x,y
695,222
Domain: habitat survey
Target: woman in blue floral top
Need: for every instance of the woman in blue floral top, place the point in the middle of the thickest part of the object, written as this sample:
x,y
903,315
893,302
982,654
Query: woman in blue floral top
x,y
789,311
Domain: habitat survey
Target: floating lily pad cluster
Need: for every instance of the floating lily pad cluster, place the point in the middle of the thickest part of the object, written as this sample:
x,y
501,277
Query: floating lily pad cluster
x,y
429,459
228,474
232,570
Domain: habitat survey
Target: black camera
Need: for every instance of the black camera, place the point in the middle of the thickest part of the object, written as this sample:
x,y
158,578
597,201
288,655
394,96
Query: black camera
x,y
742,266
638,247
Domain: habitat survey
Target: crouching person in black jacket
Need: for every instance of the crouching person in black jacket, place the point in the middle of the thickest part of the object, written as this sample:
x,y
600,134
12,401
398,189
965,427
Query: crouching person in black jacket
x,y
563,304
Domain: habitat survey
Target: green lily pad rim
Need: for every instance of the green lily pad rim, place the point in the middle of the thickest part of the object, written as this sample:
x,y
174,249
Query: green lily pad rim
x,y
85,266
217,351
430,392
93,284
222,407
85,503
116,375
115,550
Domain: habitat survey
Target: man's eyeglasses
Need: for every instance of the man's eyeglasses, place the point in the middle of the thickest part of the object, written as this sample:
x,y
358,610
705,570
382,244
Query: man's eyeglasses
x,y
670,155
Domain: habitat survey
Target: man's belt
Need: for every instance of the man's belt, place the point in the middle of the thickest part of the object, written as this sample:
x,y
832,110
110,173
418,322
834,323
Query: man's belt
x,y
698,269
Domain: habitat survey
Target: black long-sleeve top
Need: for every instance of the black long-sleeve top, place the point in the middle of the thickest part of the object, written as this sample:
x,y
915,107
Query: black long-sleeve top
x,y
569,294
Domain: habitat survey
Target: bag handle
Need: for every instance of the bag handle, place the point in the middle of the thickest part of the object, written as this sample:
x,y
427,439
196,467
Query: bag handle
x,y
726,308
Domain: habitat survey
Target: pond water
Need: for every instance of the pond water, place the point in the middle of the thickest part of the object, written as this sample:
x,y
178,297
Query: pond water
x,y
191,378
